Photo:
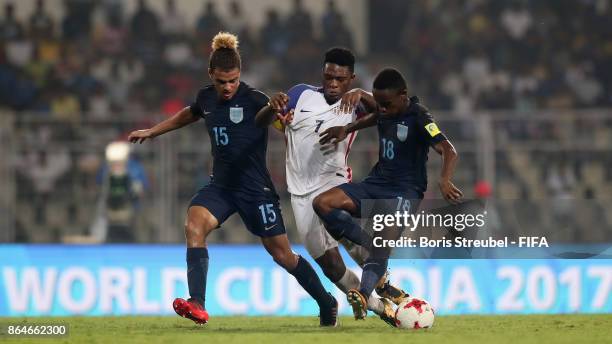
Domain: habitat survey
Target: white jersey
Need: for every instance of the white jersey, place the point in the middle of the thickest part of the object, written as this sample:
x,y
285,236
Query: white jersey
x,y
308,168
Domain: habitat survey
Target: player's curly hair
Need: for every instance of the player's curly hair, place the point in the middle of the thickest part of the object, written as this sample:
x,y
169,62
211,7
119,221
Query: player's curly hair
x,y
389,79
225,55
340,56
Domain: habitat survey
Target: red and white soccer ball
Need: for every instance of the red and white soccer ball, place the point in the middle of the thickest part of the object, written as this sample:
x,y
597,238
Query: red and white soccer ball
x,y
414,313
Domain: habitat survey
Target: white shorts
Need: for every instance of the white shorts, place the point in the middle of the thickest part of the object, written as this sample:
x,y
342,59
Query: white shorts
x,y
309,225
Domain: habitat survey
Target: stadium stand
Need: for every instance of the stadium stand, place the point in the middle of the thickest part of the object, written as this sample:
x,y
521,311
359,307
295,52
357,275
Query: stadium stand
x,y
524,88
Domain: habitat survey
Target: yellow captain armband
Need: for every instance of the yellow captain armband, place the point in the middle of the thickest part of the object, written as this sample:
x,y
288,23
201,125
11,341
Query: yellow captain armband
x,y
278,125
432,129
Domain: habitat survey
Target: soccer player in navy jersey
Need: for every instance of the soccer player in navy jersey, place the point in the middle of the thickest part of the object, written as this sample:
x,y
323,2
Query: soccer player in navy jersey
x,y
406,130
240,181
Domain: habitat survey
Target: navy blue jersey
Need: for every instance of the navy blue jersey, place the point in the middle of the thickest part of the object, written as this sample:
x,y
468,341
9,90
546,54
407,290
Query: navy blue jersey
x,y
404,146
238,146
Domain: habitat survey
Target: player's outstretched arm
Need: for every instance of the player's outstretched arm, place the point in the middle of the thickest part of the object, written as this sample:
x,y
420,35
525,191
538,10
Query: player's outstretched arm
x,y
449,160
337,134
275,110
178,120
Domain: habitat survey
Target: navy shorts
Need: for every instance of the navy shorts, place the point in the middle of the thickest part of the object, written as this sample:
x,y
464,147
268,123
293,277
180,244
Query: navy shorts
x,y
261,214
397,197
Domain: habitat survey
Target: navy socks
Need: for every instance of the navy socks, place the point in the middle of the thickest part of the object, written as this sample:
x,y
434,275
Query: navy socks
x,y
340,224
308,279
373,271
197,269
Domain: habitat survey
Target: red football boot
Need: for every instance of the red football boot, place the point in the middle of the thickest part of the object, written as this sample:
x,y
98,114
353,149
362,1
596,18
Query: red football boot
x,y
190,309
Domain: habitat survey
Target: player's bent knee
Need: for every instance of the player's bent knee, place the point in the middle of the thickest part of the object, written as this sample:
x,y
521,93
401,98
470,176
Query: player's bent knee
x,y
332,199
199,223
194,230
320,204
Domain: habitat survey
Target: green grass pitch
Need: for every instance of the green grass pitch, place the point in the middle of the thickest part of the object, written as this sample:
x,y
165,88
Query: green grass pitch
x,y
513,329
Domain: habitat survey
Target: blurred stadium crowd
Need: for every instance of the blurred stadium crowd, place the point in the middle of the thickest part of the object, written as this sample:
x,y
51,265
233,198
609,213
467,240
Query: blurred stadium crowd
x,y
73,84
460,54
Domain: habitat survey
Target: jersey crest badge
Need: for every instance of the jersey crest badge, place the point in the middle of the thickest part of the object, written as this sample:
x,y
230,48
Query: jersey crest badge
x,y
402,132
236,114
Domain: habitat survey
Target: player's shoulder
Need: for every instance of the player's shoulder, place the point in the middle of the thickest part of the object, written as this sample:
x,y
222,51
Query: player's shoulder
x,y
206,91
257,96
297,92
419,110
299,89
248,94
425,120
206,96
417,107
303,87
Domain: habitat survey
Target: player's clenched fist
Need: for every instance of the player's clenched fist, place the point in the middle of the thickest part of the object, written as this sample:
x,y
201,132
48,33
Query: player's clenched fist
x,y
285,119
140,135
279,102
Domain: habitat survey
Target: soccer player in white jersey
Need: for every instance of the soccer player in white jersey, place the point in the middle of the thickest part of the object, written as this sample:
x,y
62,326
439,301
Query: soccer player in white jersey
x,y
312,168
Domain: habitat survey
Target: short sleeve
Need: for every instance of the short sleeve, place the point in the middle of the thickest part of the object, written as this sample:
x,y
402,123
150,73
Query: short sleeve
x,y
259,98
294,94
195,107
429,128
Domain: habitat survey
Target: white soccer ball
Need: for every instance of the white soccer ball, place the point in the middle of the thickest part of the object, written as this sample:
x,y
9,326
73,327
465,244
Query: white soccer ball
x,y
414,313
